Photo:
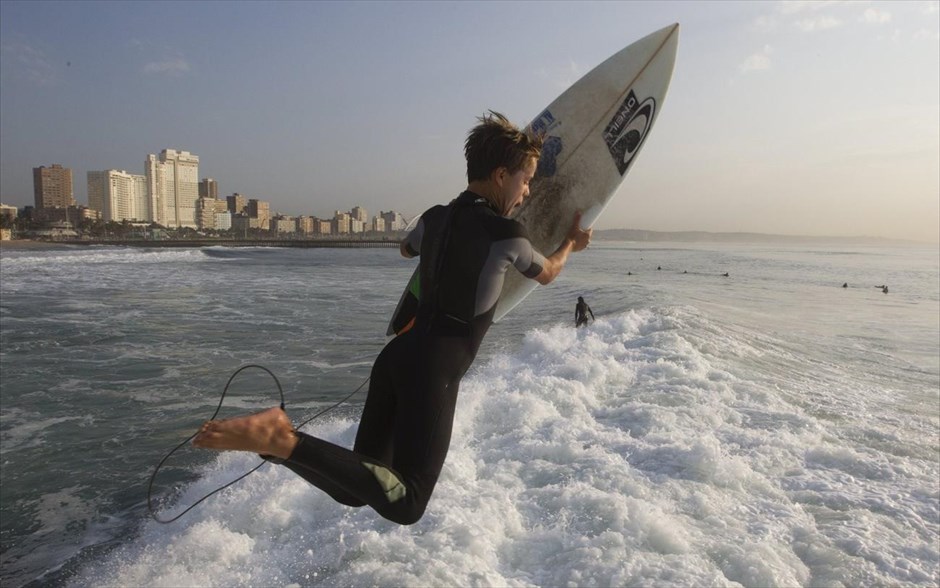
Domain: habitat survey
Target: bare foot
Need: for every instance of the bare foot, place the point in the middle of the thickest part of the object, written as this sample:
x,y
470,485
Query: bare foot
x,y
269,432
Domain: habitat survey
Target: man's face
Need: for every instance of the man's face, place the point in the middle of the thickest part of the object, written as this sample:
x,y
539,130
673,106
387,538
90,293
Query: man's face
x,y
516,186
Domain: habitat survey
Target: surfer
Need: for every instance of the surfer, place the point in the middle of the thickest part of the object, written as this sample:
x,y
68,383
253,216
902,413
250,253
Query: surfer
x,y
466,247
581,310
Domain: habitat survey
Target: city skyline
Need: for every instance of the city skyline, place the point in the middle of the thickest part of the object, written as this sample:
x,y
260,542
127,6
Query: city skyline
x,y
96,196
791,118
117,195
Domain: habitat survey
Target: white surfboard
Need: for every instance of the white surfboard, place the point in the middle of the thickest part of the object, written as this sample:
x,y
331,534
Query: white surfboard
x,y
593,133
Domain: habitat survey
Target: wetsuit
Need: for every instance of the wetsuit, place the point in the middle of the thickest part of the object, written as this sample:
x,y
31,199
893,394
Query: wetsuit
x,y
404,434
580,313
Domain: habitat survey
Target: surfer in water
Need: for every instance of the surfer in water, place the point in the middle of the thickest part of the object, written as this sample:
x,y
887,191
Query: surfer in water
x,y
466,247
581,310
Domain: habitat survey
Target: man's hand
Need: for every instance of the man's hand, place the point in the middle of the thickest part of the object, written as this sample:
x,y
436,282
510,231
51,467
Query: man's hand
x,y
579,237
576,240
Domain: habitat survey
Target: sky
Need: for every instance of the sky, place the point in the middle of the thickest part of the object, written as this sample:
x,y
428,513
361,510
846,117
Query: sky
x,y
796,118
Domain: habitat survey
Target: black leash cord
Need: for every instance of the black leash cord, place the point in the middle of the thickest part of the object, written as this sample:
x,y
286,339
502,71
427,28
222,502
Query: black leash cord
x,y
153,476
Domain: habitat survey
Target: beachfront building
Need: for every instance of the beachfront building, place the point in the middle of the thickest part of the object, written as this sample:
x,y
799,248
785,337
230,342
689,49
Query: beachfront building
x,y
213,214
9,213
378,225
208,188
282,225
260,213
74,216
237,203
360,214
305,225
173,187
223,221
341,221
393,221
118,195
324,227
52,187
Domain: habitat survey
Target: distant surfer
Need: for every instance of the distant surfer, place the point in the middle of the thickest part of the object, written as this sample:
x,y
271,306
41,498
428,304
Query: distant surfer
x,y
845,284
581,310
466,247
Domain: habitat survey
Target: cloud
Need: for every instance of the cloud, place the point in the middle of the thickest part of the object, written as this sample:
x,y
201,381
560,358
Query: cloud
x,y
759,61
874,16
172,67
803,6
820,23
28,62
562,75
765,23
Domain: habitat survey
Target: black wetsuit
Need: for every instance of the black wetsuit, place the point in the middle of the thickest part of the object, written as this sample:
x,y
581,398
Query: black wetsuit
x,y
404,434
581,311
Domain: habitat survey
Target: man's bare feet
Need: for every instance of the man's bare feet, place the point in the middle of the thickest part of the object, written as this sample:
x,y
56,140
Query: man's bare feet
x,y
269,432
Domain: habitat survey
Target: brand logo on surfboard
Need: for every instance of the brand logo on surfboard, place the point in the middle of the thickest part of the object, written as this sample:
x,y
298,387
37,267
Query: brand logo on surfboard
x,y
551,146
628,128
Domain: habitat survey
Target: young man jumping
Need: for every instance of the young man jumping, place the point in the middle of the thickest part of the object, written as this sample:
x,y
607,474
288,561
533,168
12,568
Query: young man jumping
x,y
466,248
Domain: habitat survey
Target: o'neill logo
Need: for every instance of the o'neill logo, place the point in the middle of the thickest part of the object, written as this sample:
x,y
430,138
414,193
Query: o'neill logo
x,y
627,130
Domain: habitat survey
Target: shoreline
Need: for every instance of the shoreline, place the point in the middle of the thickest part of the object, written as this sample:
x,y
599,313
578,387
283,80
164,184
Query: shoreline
x,y
647,238
199,243
29,244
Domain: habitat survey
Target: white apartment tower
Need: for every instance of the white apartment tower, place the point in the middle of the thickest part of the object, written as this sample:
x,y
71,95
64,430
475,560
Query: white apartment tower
x,y
360,214
118,195
393,221
173,187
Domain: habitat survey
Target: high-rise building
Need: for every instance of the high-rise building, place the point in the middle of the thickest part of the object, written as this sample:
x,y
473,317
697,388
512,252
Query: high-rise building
x,y
341,222
118,195
360,214
237,203
283,224
378,224
260,212
210,213
156,192
305,224
393,221
223,221
208,188
173,187
52,187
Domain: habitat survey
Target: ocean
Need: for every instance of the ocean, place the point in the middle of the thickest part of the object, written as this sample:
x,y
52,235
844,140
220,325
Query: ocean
x,y
764,428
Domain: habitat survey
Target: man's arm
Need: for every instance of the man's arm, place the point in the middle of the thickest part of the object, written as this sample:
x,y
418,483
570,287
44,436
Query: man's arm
x,y
404,250
576,240
410,246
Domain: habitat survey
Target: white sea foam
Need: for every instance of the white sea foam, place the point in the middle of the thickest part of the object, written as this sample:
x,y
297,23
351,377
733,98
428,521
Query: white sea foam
x,y
96,256
629,452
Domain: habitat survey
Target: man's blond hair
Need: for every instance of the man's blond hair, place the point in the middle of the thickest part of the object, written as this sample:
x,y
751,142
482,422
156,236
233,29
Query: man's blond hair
x,y
494,143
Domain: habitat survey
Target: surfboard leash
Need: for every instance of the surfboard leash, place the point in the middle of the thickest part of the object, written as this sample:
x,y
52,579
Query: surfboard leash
x,y
280,390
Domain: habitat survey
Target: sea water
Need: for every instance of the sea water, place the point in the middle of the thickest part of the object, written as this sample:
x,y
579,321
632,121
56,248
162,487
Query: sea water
x,y
768,427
